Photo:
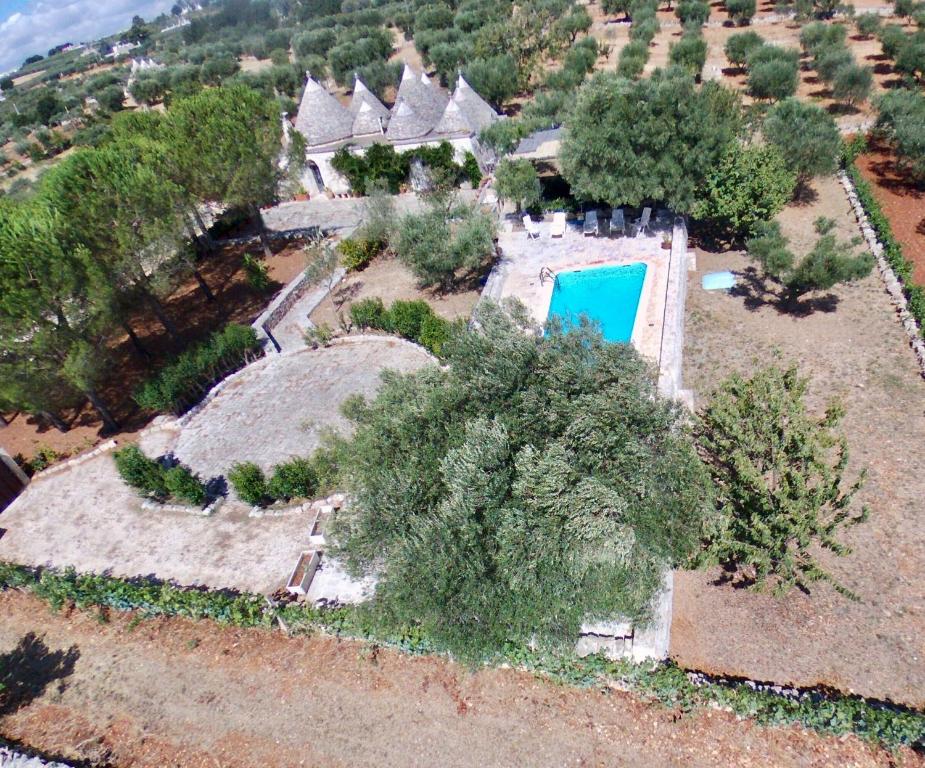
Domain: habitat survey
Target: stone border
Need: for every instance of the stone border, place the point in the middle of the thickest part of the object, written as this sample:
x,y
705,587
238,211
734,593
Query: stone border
x,y
109,445
185,509
894,286
280,306
671,348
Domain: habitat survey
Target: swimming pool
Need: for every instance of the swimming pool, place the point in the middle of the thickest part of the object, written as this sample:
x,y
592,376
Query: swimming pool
x,y
609,295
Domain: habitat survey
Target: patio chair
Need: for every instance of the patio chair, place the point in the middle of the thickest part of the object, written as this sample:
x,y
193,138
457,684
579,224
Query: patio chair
x,y
592,226
617,222
642,226
558,224
533,229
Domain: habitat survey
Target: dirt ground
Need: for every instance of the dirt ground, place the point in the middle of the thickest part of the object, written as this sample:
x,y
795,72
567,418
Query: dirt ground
x,y
169,692
852,347
389,279
195,319
903,202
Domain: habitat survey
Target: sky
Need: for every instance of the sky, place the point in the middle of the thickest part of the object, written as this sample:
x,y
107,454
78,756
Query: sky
x,y
35,26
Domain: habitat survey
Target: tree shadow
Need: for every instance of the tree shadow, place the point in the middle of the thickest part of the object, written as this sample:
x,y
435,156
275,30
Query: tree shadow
x,y
840,109
733,71
804,195
756,292
882,69
877,57
27,670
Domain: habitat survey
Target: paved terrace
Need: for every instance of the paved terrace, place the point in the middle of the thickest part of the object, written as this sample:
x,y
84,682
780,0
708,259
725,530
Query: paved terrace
x,y
84,515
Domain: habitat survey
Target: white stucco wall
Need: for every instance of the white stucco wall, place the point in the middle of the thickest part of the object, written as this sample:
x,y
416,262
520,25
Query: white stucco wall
x,y
337,184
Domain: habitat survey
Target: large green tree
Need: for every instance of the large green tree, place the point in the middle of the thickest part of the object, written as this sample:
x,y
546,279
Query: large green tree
x,y
806,136
653,139
518,182
528,484
779,475
901,121
225,143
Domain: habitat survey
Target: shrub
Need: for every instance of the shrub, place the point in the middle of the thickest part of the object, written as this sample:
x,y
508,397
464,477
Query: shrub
x,y
692,11
294,479
141,473
249,484
357,252
471,170
369,313
406,317
741,11
256,273
434,333
182,484
740,45
181,383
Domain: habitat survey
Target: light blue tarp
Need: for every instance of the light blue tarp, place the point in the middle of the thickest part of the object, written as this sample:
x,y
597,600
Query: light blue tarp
x,y
718,281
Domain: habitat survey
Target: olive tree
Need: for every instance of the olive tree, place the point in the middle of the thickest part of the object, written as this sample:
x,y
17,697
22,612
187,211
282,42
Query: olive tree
x,y
488,525
654,139
901,121
779,475
517,181
806,136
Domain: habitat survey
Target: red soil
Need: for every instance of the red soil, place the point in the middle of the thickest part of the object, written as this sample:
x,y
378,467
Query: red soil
x,y
902,200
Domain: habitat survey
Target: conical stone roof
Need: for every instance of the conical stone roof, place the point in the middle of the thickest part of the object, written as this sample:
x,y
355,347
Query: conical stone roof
x,y
322,119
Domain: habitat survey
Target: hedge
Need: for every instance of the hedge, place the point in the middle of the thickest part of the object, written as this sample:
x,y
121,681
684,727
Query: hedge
x,y
892,250
822,710
412,320
182,383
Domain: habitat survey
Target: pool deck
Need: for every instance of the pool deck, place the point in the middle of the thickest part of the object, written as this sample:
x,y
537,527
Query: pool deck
x,y
655,331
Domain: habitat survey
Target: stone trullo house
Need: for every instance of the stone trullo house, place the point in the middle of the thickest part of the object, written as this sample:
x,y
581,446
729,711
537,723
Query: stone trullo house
x,y
424,114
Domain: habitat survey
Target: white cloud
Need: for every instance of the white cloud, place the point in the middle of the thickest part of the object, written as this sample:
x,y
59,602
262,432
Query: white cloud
x,y
41,24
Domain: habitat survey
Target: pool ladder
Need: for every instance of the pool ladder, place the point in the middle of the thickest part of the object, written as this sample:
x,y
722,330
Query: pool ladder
x,y
547,272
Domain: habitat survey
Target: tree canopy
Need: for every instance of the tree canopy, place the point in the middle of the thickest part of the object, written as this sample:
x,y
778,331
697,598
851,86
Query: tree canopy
x,y
530,483
653,139
806,136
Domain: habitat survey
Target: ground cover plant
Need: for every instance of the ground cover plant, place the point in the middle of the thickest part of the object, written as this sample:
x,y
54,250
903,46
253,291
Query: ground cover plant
x,y
487,524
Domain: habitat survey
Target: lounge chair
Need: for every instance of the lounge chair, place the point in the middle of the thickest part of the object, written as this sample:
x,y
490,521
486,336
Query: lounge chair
x,y
642,226
617,222
533,229
558,224
592,226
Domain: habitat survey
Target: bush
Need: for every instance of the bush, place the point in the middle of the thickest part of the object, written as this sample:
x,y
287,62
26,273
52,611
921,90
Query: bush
x,y
434,333
141,473
180,384
406,317
249,484
294,479
256,273
357,252
184,485
740,45
741,11
369,313
471,170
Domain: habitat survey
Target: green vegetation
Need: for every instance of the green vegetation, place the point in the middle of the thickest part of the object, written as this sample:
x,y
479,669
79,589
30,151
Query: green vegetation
x,y
356,252
652,139
892,250
413,320
156,480
750,185
690,53
489,525
741,11
805,135
517,181
773,72
298,478
825,266
739,45
179,385
445,239
820,710
779,478
901,121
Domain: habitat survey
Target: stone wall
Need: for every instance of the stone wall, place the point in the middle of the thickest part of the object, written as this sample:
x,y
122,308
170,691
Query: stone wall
x,y
892,283
672,346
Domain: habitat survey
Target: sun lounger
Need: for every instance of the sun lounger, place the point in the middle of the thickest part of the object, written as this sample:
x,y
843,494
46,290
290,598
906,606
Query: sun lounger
x,y
558,224
642,226
533,229
592,227
617,222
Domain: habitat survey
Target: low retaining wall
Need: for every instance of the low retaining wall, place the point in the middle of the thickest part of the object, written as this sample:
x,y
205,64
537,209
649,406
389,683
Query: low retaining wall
x,y
280,306
894,286
671,350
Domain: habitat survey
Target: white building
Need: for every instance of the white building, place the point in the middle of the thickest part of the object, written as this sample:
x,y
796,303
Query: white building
x,y
424,114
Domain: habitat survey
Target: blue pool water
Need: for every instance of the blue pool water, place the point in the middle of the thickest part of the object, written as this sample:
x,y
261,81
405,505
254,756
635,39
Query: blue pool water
x,y
609,295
